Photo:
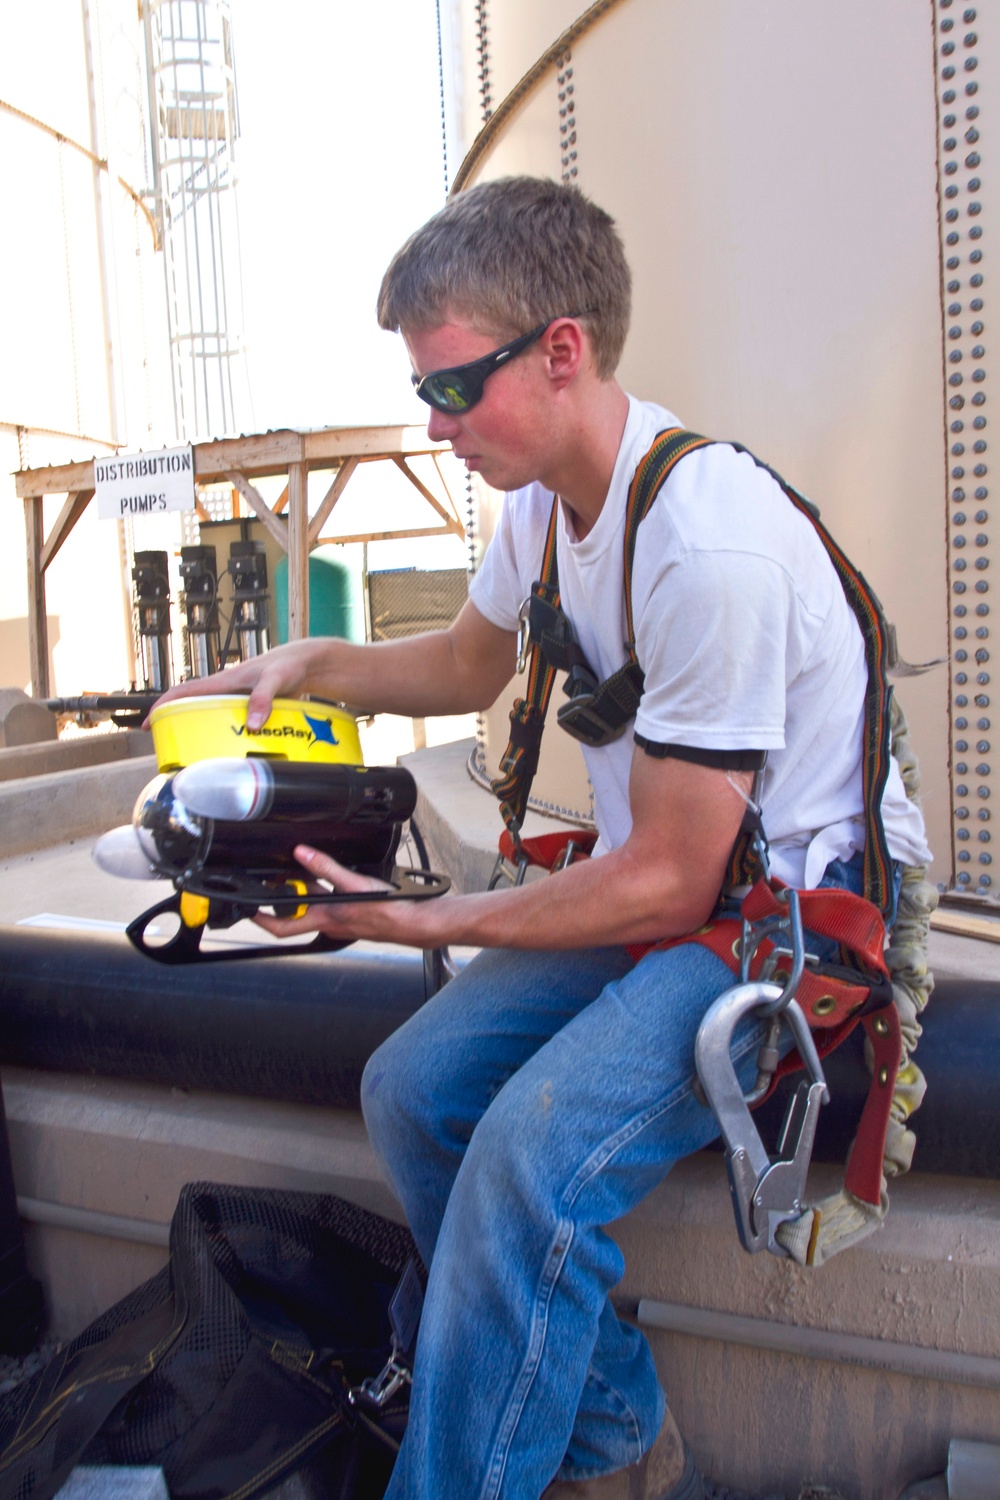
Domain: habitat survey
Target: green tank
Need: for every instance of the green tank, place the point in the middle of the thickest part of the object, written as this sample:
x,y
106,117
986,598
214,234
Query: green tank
x,y
336,602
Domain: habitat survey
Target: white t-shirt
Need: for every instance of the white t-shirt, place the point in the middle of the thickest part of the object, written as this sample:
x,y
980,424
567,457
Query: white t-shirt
x,y
742,631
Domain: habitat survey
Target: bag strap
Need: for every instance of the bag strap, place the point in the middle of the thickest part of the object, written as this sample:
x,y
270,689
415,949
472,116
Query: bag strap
x,y
669,447
623,691
80,1389
745,867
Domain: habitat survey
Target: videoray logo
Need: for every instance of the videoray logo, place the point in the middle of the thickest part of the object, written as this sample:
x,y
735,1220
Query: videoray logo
x,y
320,732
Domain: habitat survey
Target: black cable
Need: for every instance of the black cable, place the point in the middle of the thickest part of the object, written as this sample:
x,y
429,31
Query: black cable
x,y
419,845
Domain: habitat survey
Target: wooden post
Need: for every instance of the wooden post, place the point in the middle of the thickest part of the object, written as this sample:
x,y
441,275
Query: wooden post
x,y
128,618
38,630
298,552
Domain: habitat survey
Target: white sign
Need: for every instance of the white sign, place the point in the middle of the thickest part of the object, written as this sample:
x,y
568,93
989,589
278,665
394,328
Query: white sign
x,y
143,484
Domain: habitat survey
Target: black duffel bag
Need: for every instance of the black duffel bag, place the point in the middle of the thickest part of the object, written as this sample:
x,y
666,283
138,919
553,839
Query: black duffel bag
x,y
238,1363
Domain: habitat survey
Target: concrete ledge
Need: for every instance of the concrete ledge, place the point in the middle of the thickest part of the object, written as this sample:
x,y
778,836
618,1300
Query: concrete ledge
x,y
22,720
757,1418
60,806
20,761
126,1149
768,1420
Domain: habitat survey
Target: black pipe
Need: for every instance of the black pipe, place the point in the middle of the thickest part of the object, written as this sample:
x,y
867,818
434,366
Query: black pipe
x,y
101,703
958,1125
298,1028
301,1028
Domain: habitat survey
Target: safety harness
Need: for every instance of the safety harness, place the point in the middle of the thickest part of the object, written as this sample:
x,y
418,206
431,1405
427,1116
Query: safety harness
x,y
834,997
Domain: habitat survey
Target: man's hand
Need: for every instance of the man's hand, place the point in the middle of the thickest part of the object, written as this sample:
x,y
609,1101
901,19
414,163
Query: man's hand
x,y
451,671
396,921
281,673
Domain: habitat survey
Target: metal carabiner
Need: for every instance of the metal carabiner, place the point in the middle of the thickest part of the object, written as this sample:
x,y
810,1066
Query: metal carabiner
x,y
380,1388
754,934
510,871
766,1191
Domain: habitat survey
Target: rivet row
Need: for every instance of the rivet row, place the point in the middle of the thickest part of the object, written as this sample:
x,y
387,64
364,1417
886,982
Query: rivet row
x,y
483,59
567,117
969,587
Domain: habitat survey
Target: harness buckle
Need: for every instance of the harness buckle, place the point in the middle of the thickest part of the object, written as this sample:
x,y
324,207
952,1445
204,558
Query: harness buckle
x,y
580,717
523,635
510,871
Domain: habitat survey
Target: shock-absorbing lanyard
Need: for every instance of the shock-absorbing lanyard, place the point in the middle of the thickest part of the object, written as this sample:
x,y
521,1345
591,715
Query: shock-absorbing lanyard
x,y
616,700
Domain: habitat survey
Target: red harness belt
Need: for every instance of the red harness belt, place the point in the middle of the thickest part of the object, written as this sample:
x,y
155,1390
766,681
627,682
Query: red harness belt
x,y
833,1003
546,850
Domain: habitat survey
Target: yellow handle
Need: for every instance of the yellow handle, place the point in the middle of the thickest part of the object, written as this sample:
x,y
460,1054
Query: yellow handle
x,y
300,888
194,909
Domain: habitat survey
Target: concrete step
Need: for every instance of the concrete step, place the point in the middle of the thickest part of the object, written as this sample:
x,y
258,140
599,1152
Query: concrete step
x,y
99,1163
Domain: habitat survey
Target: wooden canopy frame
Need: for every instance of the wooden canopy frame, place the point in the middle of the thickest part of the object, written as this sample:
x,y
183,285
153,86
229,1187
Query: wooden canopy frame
x,y
239,461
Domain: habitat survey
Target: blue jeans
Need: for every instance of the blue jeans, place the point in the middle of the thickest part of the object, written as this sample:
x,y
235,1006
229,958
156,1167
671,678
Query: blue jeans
x,y
535,1099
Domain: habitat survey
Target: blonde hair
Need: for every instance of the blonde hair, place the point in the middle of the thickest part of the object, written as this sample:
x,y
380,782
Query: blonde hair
x,y
507,255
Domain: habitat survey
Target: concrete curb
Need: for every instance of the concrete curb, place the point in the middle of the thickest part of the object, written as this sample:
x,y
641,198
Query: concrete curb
x,y
39,811
20,761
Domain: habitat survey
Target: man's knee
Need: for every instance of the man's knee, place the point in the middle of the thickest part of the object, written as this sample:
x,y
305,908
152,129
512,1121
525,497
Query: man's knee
x,y
517,1150
380,1084
393,1093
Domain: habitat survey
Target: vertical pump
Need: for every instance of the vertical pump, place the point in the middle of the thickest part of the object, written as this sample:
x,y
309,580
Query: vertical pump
x,y
248,569
151,602
201,609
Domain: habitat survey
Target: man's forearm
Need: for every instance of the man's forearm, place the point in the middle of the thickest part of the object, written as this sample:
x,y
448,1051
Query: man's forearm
x,y
662,882
417,676
611,900
591,904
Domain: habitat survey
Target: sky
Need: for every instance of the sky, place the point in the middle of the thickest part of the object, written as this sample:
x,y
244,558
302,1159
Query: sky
x,y
340,158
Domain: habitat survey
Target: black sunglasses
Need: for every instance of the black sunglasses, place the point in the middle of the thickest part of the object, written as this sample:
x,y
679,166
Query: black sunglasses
x,y
459,388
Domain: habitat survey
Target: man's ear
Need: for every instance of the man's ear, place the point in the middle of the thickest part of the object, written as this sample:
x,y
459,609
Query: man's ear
x,y
566,349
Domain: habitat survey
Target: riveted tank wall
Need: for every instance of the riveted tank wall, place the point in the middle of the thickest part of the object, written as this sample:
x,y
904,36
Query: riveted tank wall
x,y
798,190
